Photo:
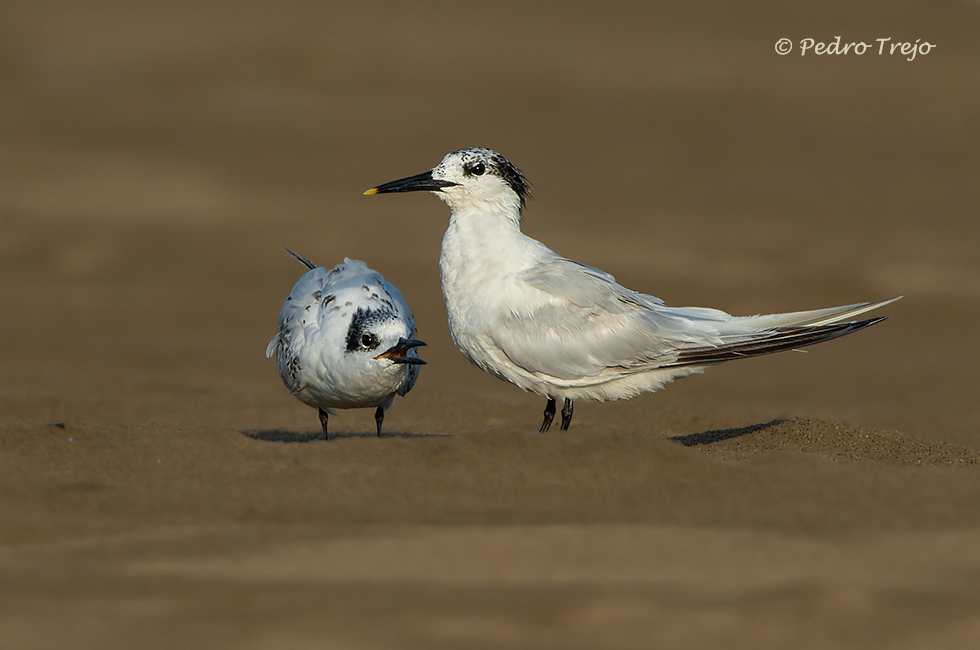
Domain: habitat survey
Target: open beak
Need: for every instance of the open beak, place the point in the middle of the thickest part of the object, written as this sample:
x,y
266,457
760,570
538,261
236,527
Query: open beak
x,y
418,183
397,352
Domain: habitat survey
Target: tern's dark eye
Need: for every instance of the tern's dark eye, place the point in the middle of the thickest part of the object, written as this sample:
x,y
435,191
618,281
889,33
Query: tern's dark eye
x,y
476,169
369,341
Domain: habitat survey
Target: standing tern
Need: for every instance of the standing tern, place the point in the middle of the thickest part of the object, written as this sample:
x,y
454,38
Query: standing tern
x,y
564,330
346,340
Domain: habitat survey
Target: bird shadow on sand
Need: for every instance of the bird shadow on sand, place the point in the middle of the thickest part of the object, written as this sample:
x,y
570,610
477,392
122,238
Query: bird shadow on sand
x,y
718,435
278,435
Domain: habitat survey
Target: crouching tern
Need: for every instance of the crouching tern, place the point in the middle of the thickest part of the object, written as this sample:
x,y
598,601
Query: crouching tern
x,y
564,330
346,340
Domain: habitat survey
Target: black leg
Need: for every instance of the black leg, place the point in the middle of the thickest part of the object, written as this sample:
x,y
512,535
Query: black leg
x,y
323,421
379,417
566,414
549,415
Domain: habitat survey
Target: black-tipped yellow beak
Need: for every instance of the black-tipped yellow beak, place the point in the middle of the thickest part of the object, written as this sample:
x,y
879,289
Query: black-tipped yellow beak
x,y
419,183
397,352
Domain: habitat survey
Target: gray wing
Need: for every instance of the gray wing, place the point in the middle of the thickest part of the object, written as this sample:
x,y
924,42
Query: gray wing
x,y
589,325
585,286
594,326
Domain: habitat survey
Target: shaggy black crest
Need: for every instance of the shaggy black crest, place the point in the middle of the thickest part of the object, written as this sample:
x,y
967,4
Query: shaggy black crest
x,y
505,169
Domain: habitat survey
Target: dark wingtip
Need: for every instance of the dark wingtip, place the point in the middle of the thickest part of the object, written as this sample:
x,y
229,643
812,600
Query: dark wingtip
x,y
777,340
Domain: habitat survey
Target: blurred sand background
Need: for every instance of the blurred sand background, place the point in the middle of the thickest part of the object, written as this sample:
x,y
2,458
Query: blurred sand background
x,y
155,156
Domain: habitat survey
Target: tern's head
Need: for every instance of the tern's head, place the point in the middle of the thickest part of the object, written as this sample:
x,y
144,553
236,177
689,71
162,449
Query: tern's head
x,y
469,179
379,335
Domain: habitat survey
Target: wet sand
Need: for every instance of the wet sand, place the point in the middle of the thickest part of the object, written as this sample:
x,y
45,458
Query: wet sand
x,y
159,488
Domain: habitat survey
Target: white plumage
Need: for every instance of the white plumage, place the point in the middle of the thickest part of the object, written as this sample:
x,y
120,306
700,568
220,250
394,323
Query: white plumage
x,y
564,330
346,340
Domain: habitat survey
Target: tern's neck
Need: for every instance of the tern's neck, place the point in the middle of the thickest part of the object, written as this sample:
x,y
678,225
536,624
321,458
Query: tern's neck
x,y
489,206
479,246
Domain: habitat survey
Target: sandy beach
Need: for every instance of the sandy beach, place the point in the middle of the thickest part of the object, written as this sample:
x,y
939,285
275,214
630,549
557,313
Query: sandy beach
x,y
159,488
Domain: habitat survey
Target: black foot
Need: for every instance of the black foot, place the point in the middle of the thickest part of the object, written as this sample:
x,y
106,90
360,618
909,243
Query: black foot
x,y
549,415
379,417
323,421
566,414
